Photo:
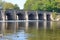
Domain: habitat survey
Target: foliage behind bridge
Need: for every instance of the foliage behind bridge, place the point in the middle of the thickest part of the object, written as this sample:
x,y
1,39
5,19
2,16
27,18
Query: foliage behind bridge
x,y
45,5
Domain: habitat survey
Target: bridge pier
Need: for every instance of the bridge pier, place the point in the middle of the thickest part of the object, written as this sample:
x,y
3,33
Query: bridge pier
x,y
15,16
2,15
51,17
6,17
45,17
26,15
36,15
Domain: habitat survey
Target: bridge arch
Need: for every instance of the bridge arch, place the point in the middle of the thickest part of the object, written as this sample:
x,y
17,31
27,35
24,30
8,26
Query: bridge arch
x,y
21,16
31,16
48,17
9,16
40,16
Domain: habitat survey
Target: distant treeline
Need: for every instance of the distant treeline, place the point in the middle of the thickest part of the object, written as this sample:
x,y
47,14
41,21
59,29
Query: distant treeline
x,y
43,5
7,5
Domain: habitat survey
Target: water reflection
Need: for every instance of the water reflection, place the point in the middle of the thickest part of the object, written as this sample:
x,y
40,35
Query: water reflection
x,y
34,30
11,27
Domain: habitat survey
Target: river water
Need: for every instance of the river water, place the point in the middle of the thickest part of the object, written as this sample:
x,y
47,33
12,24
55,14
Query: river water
x,y
29,30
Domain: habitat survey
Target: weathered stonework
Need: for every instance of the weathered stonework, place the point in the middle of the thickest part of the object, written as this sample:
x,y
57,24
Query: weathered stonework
x,y
26,15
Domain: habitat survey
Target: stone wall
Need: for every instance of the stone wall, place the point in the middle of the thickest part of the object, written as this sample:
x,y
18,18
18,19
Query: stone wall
x,y
57,18
27,15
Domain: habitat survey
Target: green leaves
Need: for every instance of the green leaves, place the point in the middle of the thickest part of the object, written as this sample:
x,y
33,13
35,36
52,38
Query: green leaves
x,y
16,7
45,5
1,4
10,6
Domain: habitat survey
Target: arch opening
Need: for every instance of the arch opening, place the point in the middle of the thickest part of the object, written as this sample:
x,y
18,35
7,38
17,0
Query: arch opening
x,y
48,17
31,17
21,16
40,17
9,16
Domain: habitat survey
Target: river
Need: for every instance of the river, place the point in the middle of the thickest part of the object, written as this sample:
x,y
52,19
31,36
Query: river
x,y
30,30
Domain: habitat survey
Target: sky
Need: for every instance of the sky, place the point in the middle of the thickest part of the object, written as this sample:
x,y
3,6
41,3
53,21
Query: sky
x,y
20,3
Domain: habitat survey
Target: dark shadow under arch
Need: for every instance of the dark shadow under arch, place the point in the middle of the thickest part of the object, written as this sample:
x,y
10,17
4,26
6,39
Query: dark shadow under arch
x,y
21,16
48,17
31,17
40,16
9,16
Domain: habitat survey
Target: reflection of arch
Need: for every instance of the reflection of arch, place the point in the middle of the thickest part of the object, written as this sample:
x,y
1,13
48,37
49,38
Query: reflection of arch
x,y
20,16
21,25
32,24
40,16
48,17
41,24
1,27
31,17
9,16
11,27
0,16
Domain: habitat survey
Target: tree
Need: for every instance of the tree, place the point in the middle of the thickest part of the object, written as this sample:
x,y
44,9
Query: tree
x,y
0,4
45,5
16,7
10,6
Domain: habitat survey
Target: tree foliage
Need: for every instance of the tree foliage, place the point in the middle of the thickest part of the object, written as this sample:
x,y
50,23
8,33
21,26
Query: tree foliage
x,y
16,7
6,5
10,6
45,5
0,4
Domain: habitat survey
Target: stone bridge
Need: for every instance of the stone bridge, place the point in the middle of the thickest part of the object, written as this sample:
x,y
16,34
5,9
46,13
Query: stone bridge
x,y
25,15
